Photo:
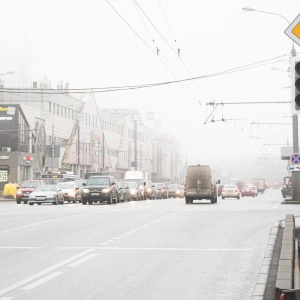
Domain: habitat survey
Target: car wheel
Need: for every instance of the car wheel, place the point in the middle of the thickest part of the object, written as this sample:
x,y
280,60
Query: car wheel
x,y
18,201
30,203
54,203
74,201
109,201
83,201
238,197
187,200
223,197
115,200
90,201
39,203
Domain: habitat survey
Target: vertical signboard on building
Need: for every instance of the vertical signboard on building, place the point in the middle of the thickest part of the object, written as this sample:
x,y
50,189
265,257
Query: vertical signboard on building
x,y
4,171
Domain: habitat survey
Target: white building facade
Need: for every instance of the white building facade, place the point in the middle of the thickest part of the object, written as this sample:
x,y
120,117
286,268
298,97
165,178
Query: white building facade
x,y
70,132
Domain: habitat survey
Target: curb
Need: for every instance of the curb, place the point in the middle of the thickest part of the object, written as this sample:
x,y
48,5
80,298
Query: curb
x,y
261,283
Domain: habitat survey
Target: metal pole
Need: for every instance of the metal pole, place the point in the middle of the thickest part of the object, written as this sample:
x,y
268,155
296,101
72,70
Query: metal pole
x,y
135,145
99,156
52,147
103,151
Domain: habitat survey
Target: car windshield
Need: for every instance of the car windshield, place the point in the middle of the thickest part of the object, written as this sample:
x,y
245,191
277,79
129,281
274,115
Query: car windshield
x,y
66,186
230,187
80,182
30,184
46,187
98,181
173,186
132,185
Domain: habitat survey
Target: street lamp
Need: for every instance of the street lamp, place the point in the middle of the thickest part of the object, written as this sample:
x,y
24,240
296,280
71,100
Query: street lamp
x,y
250,9
295,175
8,73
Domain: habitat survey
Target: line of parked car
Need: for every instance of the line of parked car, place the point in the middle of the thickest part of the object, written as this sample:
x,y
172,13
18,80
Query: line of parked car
x,y
232,191
96,189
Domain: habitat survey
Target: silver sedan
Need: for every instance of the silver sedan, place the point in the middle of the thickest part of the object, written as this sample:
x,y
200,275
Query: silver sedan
x,y
47,193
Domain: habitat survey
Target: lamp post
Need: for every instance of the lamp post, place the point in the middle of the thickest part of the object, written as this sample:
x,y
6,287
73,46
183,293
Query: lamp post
x,y
295,175
6,73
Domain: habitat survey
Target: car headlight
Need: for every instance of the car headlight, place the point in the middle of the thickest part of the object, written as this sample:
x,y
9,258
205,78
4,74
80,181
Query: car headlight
x,y
149,190
132,192
105,190
85,190
177,192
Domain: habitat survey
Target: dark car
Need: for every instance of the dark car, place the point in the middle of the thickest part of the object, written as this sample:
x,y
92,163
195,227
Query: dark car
x,y
248,191
123,192
158,190
174,190
220,187
149,190
27,187
46,193
99,189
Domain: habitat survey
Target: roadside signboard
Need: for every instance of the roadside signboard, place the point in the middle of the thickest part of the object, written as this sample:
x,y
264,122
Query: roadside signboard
x,y
293,31
295,159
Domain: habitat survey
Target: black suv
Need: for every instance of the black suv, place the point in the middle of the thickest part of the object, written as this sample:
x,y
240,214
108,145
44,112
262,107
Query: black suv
x,y
99,189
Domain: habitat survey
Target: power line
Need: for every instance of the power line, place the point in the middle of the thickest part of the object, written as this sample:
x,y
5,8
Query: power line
x,y
133,87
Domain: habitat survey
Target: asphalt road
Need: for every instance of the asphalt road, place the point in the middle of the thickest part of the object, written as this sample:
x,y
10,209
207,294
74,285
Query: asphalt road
x,y
153,249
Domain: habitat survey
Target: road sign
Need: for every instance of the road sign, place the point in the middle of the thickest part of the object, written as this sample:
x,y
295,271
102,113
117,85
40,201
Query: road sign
x,y
295,159
293,31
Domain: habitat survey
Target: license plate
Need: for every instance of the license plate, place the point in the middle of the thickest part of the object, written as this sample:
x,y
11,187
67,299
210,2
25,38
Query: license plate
x,y
95,194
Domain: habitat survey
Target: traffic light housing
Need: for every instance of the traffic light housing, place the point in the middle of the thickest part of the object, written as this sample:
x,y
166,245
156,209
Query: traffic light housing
x,y
295,84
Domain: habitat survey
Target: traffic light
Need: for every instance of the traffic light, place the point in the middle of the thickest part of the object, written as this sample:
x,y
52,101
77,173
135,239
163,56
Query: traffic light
x,y
295,84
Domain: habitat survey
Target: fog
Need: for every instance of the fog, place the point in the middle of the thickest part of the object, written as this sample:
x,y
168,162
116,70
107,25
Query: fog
x,y
171,58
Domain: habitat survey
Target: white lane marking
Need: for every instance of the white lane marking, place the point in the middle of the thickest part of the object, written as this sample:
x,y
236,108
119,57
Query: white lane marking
x,y
41,281
159,249
36,224
276,205
82,260
15,247
43,272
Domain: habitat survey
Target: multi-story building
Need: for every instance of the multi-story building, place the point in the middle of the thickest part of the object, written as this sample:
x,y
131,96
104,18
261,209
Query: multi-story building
x,y
53,130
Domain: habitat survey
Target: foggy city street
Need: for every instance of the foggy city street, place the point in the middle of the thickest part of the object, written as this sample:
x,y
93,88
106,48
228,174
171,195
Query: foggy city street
x,y
169,131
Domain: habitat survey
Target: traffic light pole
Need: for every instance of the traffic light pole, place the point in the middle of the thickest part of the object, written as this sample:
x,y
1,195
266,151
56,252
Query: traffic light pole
x,y
295,174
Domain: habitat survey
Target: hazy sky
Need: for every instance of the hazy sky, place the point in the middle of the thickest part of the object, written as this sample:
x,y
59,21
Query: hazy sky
x,y
136,42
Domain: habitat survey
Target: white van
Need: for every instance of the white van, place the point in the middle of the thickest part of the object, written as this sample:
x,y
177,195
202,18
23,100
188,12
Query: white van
x,y
200,184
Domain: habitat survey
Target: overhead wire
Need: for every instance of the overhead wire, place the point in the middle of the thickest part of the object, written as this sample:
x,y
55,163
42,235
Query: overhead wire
x,y
140,86
161,35
160,54
180,54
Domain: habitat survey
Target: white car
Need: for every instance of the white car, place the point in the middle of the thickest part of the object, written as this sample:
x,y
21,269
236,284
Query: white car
x,y
230,191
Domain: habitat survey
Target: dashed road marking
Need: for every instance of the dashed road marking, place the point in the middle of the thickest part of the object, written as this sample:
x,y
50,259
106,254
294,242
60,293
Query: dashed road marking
x,y
41,281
